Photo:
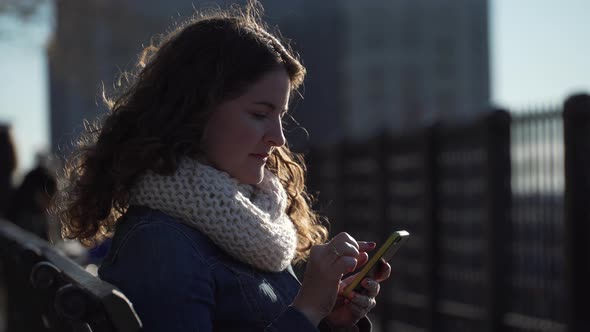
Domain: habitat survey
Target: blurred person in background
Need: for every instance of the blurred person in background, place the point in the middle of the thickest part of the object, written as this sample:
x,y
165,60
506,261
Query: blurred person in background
x,y
8,163
191,172
29,204
28,210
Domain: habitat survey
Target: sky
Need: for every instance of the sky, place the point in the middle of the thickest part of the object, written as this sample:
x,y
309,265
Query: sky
x,y
539,54
24,95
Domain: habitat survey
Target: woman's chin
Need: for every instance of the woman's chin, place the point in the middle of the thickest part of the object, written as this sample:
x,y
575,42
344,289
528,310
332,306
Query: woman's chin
x,y
251,178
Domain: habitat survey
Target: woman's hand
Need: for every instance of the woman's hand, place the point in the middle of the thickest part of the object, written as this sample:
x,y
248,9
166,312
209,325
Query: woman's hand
x,y
349,310
321,282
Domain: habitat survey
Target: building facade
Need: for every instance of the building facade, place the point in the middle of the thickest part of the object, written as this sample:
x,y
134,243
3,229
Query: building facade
x,y
408,63
372,65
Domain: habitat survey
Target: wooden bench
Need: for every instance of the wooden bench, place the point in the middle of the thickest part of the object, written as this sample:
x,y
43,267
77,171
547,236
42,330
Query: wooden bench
x,y
49,291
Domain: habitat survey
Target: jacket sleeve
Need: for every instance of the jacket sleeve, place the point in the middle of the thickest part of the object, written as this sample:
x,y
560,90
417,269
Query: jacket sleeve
x,y
364,325
291,320
169,284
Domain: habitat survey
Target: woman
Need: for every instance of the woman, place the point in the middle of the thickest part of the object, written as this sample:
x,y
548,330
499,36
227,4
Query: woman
x,y
191,171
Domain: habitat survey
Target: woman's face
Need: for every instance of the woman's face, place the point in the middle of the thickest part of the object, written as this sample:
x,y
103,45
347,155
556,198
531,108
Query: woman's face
x,y
242,132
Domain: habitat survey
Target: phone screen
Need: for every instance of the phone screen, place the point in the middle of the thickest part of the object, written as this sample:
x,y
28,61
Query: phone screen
x,y
385,253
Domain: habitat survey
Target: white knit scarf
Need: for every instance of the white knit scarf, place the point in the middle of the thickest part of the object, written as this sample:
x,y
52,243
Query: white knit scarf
x,y
248,222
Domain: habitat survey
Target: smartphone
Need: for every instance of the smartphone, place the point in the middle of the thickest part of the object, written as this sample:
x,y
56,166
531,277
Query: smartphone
x,y
385,253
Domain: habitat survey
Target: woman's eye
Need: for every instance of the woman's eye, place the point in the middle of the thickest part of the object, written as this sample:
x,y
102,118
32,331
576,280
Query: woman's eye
x,y
259,116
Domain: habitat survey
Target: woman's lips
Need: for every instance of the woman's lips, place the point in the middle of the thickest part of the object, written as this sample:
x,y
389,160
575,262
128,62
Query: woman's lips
x,y
261,156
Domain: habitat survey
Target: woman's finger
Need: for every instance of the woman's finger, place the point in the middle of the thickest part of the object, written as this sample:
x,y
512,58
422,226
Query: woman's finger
x,y
345,264
360,305
366,246
345,252
362,301
362,259
371,286
357,310
343,249
384,271
345,238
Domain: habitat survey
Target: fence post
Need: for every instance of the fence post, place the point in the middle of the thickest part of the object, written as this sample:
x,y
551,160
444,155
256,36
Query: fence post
x,y
382,155
576,128
432,151
499,226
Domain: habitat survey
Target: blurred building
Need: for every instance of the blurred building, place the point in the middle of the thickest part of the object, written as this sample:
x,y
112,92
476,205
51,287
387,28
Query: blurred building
x,y
371,64
93,42
410,62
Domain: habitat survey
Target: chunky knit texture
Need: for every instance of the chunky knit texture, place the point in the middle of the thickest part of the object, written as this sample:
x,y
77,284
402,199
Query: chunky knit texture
x,y
248,222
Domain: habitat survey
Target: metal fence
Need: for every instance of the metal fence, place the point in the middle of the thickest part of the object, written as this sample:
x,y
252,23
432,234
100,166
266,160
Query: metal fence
x,y
537,252
497,213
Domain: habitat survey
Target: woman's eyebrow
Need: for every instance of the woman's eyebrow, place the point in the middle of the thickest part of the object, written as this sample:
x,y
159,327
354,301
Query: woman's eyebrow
x,y
269,105
266,103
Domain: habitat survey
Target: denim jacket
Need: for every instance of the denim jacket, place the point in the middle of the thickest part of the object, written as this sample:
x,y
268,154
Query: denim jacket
x,y
178,280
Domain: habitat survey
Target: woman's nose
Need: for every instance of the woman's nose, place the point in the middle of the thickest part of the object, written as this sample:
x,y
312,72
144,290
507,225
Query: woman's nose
x,y
275,135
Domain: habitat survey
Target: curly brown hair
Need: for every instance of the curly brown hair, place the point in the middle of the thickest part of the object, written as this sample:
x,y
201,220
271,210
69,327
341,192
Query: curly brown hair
x,y
160,114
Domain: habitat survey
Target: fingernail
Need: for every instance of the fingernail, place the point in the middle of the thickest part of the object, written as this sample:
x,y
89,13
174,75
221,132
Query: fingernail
x,y
372,244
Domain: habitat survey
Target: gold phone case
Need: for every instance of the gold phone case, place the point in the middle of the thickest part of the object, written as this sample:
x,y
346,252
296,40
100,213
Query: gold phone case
x,y
385,252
